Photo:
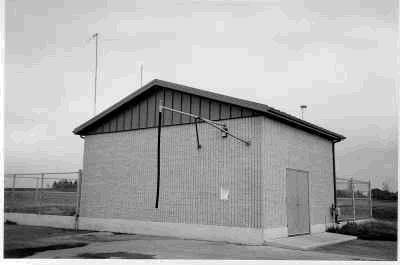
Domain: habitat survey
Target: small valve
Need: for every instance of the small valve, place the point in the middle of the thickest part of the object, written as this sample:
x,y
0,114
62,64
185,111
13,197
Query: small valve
x,y
225,131
335,212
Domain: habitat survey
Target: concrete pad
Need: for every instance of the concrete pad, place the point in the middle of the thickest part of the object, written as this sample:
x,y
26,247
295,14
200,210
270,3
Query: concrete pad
x,y
167,248
307,242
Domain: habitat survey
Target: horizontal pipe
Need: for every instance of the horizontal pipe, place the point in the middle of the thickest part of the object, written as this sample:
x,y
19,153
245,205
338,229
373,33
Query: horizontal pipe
x,y
192,115
224,131
212,123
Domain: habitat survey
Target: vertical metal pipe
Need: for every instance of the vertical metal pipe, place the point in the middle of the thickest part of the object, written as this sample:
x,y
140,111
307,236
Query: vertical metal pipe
x,y
197,134
334,180
37,190
370,199
78,199
41,193
353,199
13,187
158,153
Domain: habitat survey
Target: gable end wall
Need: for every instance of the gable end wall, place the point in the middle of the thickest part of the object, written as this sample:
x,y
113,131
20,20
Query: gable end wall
x,y
287,147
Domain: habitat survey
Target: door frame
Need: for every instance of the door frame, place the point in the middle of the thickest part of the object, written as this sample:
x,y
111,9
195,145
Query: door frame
x,y
308,200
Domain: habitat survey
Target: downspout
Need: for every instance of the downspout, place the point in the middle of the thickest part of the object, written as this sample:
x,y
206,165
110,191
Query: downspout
x,y
334,182
78,195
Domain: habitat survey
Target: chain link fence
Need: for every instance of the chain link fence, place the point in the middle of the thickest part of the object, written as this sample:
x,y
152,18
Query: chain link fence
x,y
353,199
58,193
43,193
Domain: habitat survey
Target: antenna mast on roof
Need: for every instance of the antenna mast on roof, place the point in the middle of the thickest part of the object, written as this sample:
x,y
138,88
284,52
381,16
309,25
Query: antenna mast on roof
x,y
95,37
141,75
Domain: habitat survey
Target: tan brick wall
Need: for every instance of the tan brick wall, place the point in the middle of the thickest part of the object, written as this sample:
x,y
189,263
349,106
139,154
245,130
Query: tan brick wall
x,y
119,178
287,147
120,174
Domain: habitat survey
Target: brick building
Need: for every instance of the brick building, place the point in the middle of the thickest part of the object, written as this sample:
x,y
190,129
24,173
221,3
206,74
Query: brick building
x,y
281,184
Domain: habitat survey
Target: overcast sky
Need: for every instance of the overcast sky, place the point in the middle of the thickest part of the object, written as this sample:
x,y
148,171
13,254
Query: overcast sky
x,y
337,57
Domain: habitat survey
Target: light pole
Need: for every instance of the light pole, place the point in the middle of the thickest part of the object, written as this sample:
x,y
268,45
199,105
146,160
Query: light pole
x,y
302,109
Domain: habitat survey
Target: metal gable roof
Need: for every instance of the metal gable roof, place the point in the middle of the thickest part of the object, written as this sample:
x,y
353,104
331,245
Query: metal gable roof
x,y
263,109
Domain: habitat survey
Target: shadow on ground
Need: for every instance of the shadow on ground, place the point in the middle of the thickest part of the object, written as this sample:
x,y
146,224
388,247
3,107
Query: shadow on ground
x,y
44,242
26,252
115,255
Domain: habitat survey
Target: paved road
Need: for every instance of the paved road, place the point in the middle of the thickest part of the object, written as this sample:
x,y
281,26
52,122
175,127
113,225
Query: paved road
x,y
41,242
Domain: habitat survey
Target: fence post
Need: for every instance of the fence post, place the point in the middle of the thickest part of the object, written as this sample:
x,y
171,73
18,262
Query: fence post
x,y
13,188
370,199
41,193
78,199
353,200
37,190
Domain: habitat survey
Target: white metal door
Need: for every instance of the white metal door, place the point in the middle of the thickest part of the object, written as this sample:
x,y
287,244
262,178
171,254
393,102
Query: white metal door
x,y
297,202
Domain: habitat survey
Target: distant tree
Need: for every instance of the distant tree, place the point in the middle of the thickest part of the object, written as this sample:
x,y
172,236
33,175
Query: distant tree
x,y
344,193
378,194
348,194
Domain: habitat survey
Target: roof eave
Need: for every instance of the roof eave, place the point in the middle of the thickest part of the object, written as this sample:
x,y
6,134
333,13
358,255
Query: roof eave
x,y
78,130
296,121
263,109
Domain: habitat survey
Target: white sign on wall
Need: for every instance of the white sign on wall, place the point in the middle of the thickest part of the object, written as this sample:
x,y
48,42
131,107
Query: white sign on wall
x,y
224,193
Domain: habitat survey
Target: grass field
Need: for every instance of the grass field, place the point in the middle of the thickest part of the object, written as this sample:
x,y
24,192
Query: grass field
x,y
383,210
346,208
63,203
47,202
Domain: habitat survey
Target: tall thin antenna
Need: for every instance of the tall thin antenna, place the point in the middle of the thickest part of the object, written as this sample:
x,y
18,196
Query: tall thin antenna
x,y
95,36
141,75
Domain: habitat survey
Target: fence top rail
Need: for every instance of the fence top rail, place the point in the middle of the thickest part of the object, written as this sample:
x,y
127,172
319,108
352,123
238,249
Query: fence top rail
x,y
354,180
38,177
42,173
